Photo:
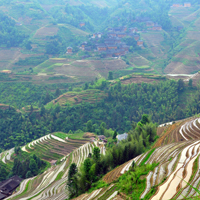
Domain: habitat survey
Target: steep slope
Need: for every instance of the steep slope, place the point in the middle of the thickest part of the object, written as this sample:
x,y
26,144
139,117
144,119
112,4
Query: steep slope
x,y
186,55
176,175
52,183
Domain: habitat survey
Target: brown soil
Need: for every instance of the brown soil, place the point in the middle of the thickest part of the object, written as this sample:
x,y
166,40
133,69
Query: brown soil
x,y
89,135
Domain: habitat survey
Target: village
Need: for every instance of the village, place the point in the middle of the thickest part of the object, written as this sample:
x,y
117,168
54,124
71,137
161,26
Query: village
x,y
110,43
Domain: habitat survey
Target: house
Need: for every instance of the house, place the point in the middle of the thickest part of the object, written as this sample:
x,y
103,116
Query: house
x,y
122,137
81,24
187,5
110,29
149,23
2,196
92,139
109,53
124,47
121,35
101,47
176,5
111,46
136,37
157,27
99,35
119,52
101,137
53,162
140,43
112,40
83,45
88,48
133,30
142,19
7,187
94,35
69,49
112,34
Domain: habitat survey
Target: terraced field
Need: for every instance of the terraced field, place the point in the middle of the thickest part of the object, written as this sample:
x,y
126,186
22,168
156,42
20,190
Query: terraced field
x,y
51,184
51,147
176,176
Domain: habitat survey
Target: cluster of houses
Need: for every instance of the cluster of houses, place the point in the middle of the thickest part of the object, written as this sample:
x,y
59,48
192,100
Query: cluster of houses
x,y
102,138
112,45
178,5
8,186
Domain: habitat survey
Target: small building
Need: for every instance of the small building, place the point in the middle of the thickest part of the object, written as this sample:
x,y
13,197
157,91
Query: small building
x,y
136,37
157,27
53,162
110,29
149,23
101,47
69,49
111,46
102,137
187,5
142,19
94,35
119,52
133,30
121,35
124,47
92,139
99,35
176,5
88,48
122,137
83,45
140,43
2,196
112,34
81,24
8,186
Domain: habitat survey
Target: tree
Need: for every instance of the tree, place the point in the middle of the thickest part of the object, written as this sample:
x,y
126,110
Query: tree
x,y
115,135
96,154
72,171
57,93
110,76
29,174
145,119
42,111
89,126
181,85
72,183
33,167
190,82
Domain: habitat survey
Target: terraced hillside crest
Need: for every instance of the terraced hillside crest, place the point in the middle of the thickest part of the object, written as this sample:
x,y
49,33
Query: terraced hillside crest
x,y
52,183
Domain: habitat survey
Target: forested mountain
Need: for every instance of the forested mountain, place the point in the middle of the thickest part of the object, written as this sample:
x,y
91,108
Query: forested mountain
x,y
84,85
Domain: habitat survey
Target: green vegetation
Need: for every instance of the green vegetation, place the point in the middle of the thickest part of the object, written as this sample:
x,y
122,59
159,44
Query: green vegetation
x,y
131,183
25,165
140,137
60,135
147,157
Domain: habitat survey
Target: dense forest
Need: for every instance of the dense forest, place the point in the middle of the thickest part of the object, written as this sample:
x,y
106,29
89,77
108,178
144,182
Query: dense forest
x,y
123,105
10,36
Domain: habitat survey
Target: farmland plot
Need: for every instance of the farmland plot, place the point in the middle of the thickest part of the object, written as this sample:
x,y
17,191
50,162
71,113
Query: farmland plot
x,y
48,185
